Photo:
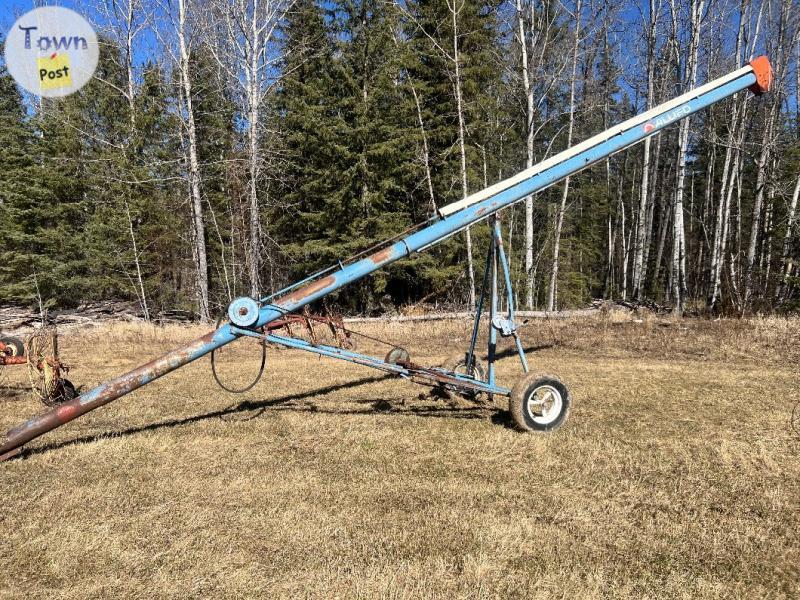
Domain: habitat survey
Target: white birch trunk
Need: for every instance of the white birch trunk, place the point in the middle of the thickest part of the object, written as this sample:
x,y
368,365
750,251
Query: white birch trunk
x,y
254,105
758,204
198,226
529,134
552,292
425,152
678,237
461,144
130,77
787,242
639,264
779,60
729,174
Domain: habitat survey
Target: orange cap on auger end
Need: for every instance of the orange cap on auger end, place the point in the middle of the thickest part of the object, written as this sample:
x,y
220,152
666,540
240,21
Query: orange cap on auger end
x,y
763,72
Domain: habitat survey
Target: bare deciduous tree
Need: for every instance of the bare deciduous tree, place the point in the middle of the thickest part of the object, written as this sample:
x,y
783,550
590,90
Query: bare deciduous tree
x,y
248,49
553,290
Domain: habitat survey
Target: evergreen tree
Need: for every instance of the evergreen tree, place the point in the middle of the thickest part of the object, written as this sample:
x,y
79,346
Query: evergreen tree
x,y
311,217
381,139
21,197
214,113
431,66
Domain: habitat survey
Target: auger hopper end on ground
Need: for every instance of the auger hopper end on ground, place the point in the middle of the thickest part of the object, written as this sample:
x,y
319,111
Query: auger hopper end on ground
x,y
536,402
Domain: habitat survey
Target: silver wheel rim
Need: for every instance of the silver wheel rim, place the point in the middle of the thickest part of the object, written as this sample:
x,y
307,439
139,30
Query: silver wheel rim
x,y
461,369
544,404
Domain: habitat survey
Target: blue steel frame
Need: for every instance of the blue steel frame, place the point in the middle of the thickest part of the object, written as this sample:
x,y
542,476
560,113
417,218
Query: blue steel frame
x,y
448,226
495,256
432,376
435,376
336,279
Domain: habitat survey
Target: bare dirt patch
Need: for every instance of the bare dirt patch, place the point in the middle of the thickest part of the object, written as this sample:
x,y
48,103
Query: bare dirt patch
x,y
678,474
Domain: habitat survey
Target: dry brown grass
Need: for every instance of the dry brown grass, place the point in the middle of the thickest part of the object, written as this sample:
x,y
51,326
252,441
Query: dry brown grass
x,y
676,476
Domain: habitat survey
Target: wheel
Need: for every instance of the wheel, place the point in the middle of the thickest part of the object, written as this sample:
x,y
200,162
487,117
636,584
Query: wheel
x,y
14,346
458,365
63,391
398,356
539,403
68,391
478,371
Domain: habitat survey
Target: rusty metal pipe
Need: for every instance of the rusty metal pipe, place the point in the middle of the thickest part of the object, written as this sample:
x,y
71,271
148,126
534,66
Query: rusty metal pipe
x,y
111,390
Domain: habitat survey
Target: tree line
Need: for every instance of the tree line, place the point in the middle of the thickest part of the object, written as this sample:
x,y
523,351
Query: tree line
x,y
230,147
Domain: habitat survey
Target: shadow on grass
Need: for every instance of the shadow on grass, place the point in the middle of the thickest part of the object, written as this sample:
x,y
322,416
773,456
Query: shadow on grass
x,y
13,393
512,351
284,404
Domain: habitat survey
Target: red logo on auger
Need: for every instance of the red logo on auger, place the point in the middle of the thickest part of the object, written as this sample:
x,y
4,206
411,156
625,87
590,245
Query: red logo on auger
x,y
648,127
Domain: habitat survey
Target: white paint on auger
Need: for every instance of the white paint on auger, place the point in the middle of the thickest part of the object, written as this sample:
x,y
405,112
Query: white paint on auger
x,y
592,142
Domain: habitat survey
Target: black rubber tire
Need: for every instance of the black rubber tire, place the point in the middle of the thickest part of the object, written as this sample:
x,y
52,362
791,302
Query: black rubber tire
x,y
15,346
517,402
64,393
69,393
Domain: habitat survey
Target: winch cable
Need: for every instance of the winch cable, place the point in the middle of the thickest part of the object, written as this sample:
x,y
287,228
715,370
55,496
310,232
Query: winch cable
x,y
262,366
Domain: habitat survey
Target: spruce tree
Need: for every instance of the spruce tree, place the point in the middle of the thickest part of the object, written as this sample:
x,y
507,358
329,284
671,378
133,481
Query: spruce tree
x,y
21,196
311,209
429,30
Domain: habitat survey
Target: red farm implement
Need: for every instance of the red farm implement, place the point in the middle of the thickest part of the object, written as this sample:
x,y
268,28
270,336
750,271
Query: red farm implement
x,y
39,355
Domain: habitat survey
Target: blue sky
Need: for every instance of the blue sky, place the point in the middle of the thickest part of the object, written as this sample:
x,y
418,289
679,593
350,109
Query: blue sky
x,y
627,27
13,9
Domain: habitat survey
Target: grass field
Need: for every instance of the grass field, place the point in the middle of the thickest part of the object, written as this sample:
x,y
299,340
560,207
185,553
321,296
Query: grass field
x,y
677,475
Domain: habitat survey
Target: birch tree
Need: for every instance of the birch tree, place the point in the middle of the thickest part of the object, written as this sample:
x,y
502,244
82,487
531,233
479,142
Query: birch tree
x,y
678,269
786,260
643,224
784,40
198,225
455,7
124,21
248,50
450,51
552,292
730,166
184,27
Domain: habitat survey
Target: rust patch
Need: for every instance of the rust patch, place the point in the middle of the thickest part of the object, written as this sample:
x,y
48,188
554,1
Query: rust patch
x,y
12,360
66,412
381,255
306,291
112,390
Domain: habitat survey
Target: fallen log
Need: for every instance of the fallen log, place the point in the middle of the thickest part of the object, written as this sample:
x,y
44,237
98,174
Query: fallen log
x,y
525,314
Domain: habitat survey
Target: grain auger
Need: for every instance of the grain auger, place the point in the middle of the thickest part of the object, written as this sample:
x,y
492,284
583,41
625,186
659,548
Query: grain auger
x,y
537,403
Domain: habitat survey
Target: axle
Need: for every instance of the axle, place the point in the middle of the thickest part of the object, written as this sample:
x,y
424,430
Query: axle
x,y
247,314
